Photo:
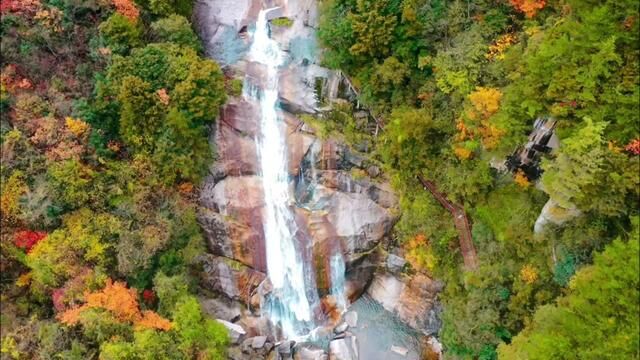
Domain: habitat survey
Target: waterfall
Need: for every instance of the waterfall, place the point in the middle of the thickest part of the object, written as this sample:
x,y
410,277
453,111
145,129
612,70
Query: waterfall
x,y
289,304
337,281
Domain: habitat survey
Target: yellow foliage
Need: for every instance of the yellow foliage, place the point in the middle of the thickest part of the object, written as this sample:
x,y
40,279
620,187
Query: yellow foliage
x,y
24,280
12,190
151,320
419,253
490,135
529,274
50,18
613,147
462,153
521,179
485,101
76,126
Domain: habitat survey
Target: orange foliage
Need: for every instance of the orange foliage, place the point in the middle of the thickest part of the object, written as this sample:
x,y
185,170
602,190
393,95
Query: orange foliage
x,y
633,146
19,6
118,299
122,303
497,49
71,316
127,9
529,7
151,320
114,146
463,131
490,135
521,179
185,188
11,81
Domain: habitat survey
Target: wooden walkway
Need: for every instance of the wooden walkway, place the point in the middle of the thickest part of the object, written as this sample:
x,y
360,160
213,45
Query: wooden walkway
x,y
461,221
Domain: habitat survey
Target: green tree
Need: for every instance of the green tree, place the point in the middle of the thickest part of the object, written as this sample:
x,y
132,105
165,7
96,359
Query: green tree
x,y
141,114
372,28
176,29
588,175
597,319
200,337
168,7
120,34
72,182
84,240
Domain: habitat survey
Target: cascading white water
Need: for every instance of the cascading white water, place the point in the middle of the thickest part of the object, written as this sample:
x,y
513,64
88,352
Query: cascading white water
x,y
288,305
337,281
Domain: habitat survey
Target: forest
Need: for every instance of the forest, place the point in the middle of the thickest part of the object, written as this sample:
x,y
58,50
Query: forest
x,y
106,109
458,86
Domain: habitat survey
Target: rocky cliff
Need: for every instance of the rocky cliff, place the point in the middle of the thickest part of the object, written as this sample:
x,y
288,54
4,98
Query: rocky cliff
x,y
334,212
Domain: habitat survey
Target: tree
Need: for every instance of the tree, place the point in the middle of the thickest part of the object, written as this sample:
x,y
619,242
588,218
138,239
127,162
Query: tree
x,y
12,190
120,34
200,337
127,8
84,239
410,138
176,29
372,28
141,115
72,182
122,303
169,7
597,319
529,7
588,175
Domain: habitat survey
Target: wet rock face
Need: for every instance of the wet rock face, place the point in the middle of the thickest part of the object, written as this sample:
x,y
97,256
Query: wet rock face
x,y
336,214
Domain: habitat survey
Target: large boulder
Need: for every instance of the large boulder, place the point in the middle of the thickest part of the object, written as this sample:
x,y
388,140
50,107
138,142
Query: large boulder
x,y
231,217
309,353
235,331
553,213
358,221
233,239
412,298
229,278
221,308
343,349
233,196
237,153
241,115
